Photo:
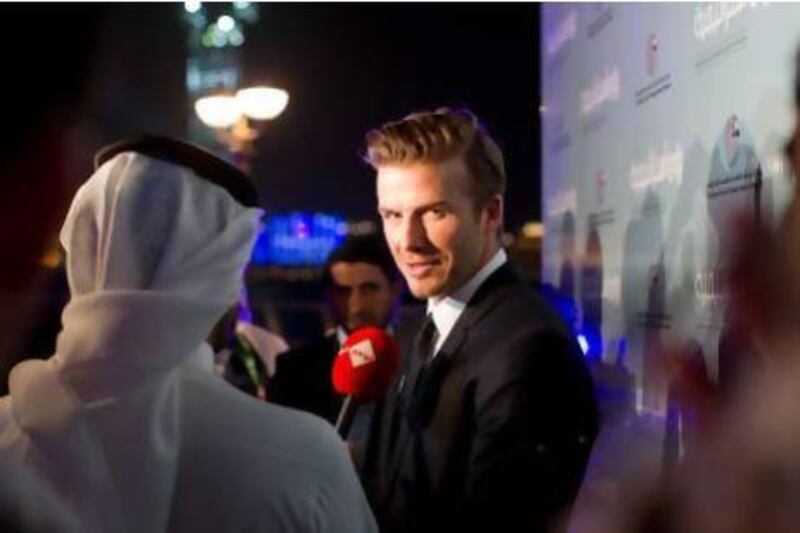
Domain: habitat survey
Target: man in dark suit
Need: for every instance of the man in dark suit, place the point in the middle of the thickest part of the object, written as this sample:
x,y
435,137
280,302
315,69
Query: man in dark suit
x,y
362,287
490,424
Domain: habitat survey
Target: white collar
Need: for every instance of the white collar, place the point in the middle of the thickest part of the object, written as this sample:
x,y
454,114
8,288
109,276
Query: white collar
x,y
342,334
447,309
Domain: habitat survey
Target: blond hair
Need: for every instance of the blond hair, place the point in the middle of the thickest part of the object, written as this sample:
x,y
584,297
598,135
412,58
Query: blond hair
x,y
438,136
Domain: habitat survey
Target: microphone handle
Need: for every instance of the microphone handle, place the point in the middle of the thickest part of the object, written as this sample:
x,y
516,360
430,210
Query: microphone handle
x,y
346,415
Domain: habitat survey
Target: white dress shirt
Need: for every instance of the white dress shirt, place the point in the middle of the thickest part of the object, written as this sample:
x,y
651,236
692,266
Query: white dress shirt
x,y
447,309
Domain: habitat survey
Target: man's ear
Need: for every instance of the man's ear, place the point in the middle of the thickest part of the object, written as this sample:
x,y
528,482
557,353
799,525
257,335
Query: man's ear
x,y
493,213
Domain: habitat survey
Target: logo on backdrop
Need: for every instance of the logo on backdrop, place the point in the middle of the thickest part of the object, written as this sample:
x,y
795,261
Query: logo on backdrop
x,y
733,192
602,216
651,54
604,15
661,166
599,97
652,62
735,167
717,28
563,33
557,42
600,186
605,87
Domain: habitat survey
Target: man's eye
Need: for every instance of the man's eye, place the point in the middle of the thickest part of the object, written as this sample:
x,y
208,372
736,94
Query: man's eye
x,y
437,213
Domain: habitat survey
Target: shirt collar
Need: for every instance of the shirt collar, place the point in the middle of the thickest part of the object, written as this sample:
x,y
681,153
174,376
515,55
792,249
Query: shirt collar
x,y
446,310
342,334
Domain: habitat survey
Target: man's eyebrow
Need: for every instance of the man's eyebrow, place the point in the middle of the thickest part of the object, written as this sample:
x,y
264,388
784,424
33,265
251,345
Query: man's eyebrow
x,y
423,207
440,203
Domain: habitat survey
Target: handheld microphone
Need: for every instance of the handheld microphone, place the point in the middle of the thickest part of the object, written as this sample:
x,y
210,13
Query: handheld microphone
x,y
362,371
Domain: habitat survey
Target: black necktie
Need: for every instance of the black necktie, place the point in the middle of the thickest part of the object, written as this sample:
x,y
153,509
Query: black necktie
x,y
426,340
425,391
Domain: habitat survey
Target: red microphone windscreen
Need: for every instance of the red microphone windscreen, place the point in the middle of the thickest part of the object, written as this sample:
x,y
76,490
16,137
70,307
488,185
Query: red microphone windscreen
x,y
365,364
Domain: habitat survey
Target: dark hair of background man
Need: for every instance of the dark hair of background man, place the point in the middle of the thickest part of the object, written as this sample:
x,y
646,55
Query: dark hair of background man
x,y
370,249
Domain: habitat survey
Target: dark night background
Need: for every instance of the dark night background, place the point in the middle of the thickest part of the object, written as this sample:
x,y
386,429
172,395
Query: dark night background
x,y
347,67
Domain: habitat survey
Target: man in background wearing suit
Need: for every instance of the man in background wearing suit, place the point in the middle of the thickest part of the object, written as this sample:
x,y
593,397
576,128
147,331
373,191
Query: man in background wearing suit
x,y
493,416
362,288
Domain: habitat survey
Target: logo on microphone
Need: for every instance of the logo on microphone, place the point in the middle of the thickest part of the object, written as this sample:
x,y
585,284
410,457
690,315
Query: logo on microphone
x,y
361,353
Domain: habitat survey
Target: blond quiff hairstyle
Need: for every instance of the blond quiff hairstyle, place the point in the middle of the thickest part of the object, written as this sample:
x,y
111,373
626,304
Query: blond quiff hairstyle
x,y
438,136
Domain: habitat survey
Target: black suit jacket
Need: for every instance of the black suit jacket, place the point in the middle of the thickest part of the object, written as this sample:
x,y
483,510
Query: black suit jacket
x,y
303,379
498,433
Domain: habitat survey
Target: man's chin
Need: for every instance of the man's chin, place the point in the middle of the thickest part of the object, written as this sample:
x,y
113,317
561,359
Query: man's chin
x,y
425,291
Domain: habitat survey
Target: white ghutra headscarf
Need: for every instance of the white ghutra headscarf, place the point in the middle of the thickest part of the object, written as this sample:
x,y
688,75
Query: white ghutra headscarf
x,y
155,255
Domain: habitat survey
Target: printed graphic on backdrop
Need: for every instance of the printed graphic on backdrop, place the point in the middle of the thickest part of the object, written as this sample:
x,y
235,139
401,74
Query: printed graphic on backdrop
x,y
662,122
658,82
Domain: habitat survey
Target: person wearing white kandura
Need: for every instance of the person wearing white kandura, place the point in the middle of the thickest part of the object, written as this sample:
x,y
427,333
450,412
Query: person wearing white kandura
x,y
126,420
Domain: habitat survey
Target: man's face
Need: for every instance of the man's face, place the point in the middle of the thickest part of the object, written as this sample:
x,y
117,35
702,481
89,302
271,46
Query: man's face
x,y
361,295
437,238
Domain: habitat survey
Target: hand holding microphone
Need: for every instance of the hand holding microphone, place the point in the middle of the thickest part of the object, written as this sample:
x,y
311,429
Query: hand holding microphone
x,y
362,371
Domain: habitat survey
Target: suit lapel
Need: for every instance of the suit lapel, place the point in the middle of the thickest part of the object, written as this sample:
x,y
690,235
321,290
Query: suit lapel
x,y
484,300
403,397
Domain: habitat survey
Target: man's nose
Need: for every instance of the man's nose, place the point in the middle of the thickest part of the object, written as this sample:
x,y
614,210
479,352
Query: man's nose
x,y
355,303
412,235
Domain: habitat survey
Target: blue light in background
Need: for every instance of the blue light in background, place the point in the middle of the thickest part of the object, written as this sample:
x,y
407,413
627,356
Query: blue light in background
x,y
589,337
298,239
584,344
591,341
